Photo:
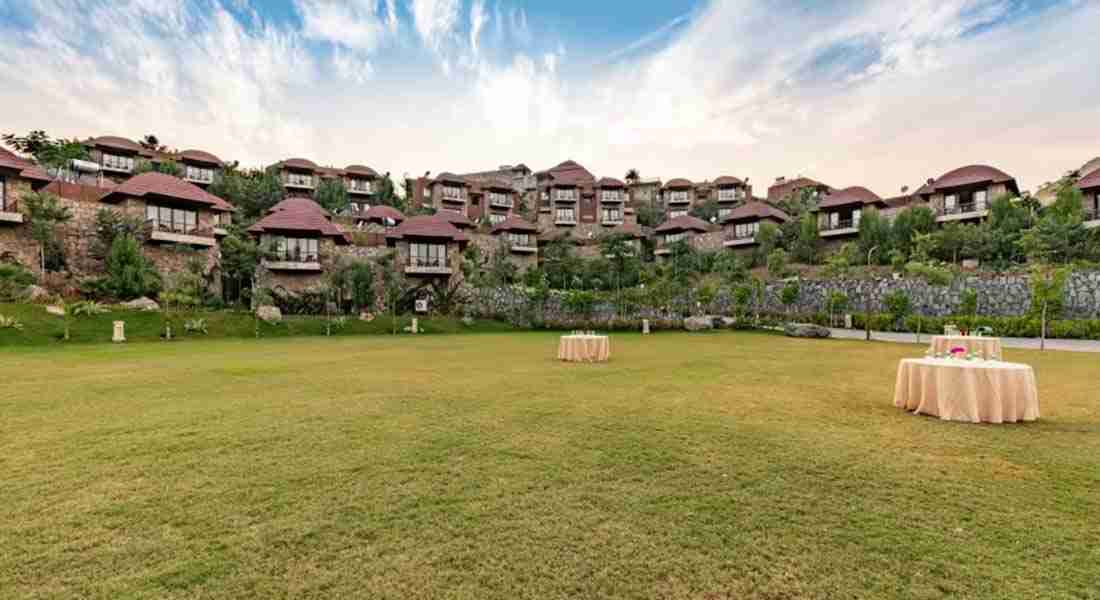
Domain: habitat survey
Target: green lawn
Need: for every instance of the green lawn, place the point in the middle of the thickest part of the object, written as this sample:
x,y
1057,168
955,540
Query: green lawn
x,y
726,465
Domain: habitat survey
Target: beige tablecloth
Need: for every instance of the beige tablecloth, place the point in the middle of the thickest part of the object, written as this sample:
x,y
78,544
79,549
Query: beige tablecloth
x,y
985,347
960,390
584,348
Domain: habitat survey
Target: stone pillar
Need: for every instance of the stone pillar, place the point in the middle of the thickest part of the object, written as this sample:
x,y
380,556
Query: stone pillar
x,y
120,332
415,325
645,326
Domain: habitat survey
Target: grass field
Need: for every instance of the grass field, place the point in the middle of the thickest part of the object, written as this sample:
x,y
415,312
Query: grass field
x,y
727,465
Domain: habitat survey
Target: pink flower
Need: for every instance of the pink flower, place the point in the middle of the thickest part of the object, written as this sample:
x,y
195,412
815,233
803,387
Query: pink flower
x,y
958,350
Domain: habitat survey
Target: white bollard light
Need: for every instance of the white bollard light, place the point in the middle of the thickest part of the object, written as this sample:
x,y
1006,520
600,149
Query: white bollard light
x,y
120,332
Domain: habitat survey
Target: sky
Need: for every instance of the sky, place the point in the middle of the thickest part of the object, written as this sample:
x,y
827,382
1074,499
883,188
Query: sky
x,y
878,93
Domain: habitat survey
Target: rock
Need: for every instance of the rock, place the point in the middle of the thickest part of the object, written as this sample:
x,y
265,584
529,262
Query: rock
x,y
58,311
36,294
143,303
806,330
699,323
269,314
728,322
468,321
366,316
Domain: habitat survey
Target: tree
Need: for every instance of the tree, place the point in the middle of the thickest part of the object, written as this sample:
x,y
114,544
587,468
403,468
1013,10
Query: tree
x,y
778,264
648,215
240,259
789,295
731,268
1060,235
166,167
252,192
968,302
394,287
909,223
129,274
632,176
109,224
805,245
767,239
1047,288
386,194
835,302
332,196
874,232
1008,219
838,264
622,256
897,305
707,211
45,213
53,154
151,142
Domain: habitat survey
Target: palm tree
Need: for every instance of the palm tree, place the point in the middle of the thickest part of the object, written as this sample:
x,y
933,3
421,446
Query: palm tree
x,y
632,176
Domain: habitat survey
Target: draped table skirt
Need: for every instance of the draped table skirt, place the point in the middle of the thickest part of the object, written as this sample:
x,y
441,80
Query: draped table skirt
x,y
960,390
584,348
985,347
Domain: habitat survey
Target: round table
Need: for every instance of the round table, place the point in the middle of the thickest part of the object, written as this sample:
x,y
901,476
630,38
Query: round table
x,y
961,390
985,347
584,348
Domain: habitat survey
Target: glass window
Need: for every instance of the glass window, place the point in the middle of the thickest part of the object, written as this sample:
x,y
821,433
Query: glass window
x,y
565,195
299,179
724,213
856,214
428,255
499,199
452,192
611,215
980,197
167,218
566,214
495,218
671,238
118,163
358,184
677,213
611,196
728,194
678,196
199,174
949,202
3,194
519,239
292,249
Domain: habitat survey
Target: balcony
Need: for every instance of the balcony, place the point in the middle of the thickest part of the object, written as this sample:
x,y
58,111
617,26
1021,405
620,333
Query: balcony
x,y
611,199
200,178
298,182
565,199
611,220
1091,217
359,188
300,262
679,199
9,213
175,233
565,220
962,211
453,199
840,228
428,266
733,240
527,248
500,201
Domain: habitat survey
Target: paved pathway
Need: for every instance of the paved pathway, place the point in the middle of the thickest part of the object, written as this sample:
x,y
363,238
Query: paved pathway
x,y
1007,342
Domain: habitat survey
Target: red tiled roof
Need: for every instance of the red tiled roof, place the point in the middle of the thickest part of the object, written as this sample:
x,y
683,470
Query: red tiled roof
x,y
360,170
678,183
609,182
727,180
116,143
514,223
299,214
969,175
756,211
159,184
779,191
455,218
684,223
299,163
494,183
1090,181
898,201
631,229
852,195
382,211
200,156
27,169
427,226
569,173
450,178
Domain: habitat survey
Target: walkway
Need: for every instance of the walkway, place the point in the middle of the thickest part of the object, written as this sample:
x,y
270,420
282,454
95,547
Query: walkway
x,y
1007,342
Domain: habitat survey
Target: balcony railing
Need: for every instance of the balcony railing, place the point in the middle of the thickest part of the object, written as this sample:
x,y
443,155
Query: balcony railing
x,y
840,224
419,265
303,181
200,177
501,201
294,260
179,233
9,211
962,208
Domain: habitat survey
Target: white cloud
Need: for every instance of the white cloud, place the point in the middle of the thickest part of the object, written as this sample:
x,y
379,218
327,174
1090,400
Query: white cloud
x,y
478,18
356,24
435,21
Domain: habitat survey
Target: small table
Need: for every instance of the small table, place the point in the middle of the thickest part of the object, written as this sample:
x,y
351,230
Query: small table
x,y
985,347
584,348
961,390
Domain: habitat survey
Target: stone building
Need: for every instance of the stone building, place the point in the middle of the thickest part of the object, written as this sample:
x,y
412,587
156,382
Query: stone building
x,y
743,223
18,177
428,248
521,240
301,177
839,212
491,200
1090,187
677,229
302,241
678,197
964,194
560,191
784,188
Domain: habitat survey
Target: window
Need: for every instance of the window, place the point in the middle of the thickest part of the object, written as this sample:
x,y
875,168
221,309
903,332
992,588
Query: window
x,y
222,219
495,218
499,199
291,249
742,231
729,194
298,179
856,214
949,202
565,195
677,213
611,215
199,174
520,239
672,238
3,194
545,195
980,197
428,255
724,213
452,192
358,184
611,196
118,163
166,218
678,196
565,214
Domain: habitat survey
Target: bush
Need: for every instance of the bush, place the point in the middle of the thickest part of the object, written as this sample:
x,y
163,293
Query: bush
x,y
14,280
129,274
777,263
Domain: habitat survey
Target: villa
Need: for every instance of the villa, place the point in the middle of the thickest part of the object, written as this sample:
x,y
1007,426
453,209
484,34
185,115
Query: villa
x,y
838,213
964,194
679,229
743,223
302,240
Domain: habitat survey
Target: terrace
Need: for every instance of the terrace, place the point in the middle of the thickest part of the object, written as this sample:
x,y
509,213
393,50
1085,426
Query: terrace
x,y
9,208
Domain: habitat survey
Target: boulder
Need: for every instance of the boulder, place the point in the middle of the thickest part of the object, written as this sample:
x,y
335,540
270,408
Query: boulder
x,y
728,323
699,323
269,314
143,303
806,330
57,311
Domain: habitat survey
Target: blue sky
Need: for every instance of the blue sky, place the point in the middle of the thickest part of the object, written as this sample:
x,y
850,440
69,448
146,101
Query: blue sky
x,y
852,92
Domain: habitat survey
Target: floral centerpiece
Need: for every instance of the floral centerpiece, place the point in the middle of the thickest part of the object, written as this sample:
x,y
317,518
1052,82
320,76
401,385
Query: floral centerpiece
x,y
958,352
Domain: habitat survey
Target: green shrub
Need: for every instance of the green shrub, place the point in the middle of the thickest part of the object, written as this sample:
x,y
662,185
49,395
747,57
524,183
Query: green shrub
x,y
14,280
129,274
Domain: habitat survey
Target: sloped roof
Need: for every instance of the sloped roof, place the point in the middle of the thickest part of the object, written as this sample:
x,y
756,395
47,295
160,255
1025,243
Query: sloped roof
x,y
200,156
116,143
778,191
1090,181
455,218
851,195
514,223
495,183
684,223
969,175
427,226
167,186
299,214
632,229
299,163
727,180
446,177
569,173
678,183
382,211
360,170
756,210
609,182
27,169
